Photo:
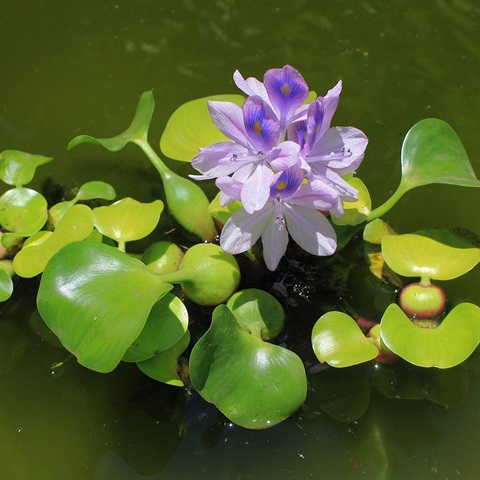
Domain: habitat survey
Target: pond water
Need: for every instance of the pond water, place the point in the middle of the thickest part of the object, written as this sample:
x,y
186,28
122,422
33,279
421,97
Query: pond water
x,y
79,67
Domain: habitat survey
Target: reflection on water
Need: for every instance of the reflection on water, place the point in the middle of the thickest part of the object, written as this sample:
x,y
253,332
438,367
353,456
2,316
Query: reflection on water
x,y
79,66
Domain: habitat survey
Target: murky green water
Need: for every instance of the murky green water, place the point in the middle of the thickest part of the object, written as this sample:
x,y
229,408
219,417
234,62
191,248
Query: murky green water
x,y
70,67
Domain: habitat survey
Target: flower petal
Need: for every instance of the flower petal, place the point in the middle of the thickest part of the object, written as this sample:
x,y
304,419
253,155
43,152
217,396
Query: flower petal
x,y
316,195
330,104
311,230
256,190
345,190
219,159
250,86
229,187
228,117
341,149
274,241
287,91
243,229
261,124
284,155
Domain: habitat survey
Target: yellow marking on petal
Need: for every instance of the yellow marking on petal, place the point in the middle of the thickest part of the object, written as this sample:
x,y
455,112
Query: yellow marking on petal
x,y
286,89
281,185
258,128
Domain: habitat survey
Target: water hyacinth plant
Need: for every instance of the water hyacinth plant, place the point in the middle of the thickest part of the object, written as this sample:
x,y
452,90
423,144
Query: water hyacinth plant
x,y
282,152
282,171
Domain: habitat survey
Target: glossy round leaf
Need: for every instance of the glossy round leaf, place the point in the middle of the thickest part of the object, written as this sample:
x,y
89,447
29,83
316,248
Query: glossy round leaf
x,y
452,342
413,255
356,212
97,299
339,341
166,324
258,312
163,367
253,383
190,128
23,211
18,168
76,225
127,219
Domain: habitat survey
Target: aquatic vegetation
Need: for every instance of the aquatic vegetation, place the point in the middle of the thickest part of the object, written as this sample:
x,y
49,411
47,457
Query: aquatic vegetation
x,y
282,171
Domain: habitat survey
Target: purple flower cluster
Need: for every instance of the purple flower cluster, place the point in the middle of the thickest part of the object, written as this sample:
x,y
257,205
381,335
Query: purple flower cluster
x,y
284,163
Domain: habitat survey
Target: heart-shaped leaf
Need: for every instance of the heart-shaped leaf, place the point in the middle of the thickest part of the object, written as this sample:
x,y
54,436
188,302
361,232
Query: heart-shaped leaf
x,y
166,325
190,128
452,342
137,131
254,383
97,299
164,365
23,211
258,312
433,153
339,341
18,168
412,255
76,225
376,230
127,219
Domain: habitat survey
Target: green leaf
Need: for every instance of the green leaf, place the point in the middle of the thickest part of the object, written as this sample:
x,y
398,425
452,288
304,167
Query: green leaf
x,y
76,225
452,342
433,153
339,341
127,219
137,131
163,367
96,189
97,299
376,230
356,212
18,168
258,312
253,383
23,211
190,128
6,285
412,255
166,325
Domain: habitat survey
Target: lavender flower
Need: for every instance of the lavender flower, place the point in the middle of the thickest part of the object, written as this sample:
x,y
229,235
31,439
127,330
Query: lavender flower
x,y
293,207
